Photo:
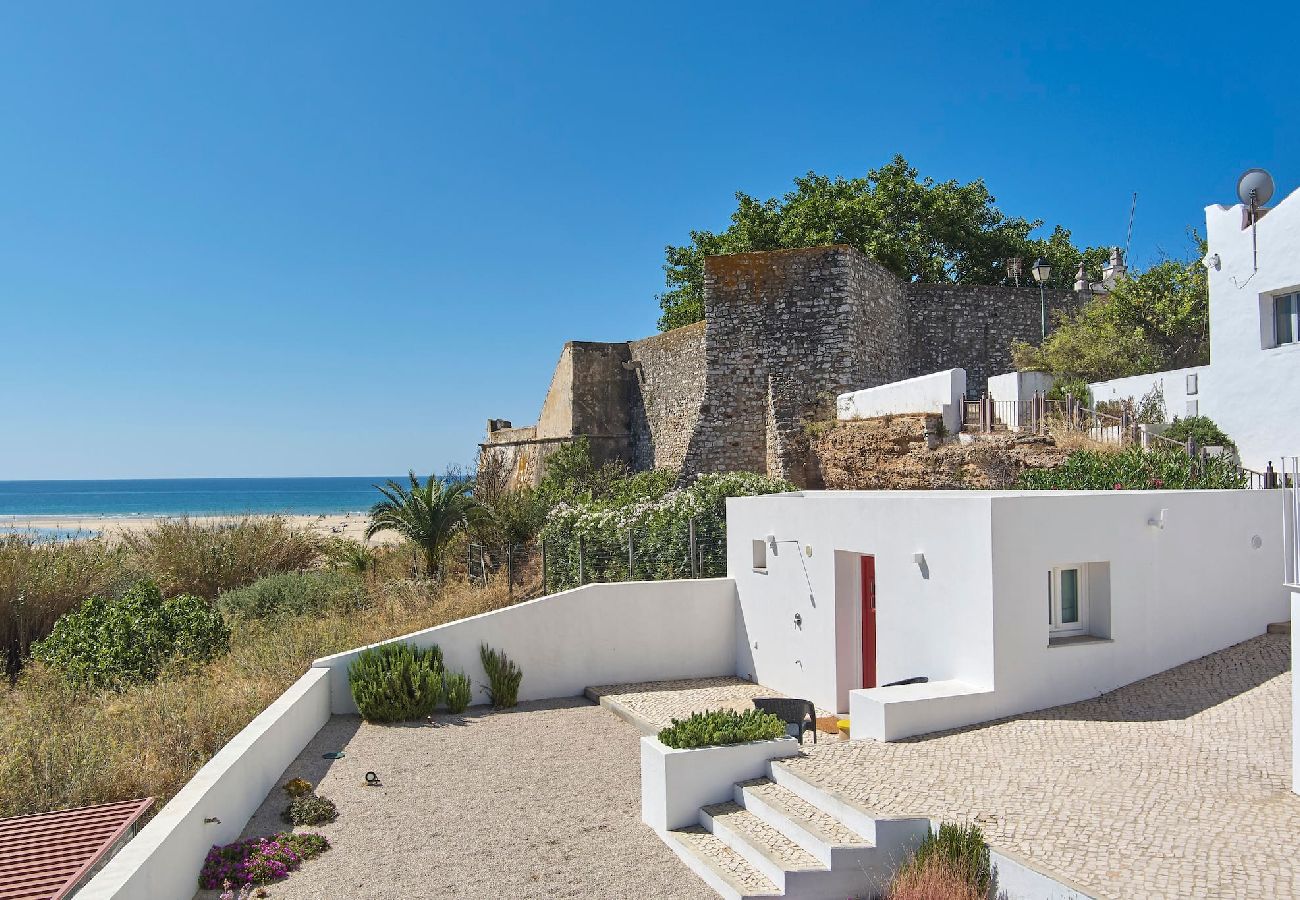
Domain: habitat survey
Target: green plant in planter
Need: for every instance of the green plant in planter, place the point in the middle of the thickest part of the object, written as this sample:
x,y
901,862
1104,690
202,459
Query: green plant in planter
x,y
396,682
720,727
310,809
457,691
503,677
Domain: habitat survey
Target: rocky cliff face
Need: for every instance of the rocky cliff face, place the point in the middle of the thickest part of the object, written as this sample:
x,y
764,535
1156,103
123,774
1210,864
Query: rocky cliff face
x,y
906,452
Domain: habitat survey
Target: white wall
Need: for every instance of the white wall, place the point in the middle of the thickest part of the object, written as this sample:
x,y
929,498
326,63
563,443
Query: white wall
x,y
1176,594
1016,386
940,392
1173,384
164,859
1251,389
597,634
937,622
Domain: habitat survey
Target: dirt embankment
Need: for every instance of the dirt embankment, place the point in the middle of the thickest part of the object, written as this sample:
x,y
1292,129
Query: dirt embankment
x,y
907,452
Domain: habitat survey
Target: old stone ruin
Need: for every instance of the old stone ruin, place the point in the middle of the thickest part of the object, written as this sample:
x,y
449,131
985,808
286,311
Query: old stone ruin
x,y
785,332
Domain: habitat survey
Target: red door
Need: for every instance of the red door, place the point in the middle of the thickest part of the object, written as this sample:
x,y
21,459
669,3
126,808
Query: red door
x,y
868,621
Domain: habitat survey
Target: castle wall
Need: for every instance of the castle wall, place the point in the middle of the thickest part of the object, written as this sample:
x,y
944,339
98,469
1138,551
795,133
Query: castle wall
x,y
972,326
666,388
788,331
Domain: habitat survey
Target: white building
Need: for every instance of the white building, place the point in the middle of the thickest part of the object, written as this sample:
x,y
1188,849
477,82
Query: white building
x,y
1005,601
1248,388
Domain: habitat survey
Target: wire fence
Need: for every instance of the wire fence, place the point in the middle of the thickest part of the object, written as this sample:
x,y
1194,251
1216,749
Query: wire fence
x,y
695,548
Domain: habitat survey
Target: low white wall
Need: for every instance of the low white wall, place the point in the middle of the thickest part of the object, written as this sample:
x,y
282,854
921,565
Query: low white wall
x,y
940,392
596,634
1295,695
164,859
1017,386
676,783
1173,385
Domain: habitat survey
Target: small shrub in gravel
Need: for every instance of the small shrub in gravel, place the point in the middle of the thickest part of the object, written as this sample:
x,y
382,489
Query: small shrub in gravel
x,y
457,691
259,860
720,727
396,682
310,809
503,675
297,787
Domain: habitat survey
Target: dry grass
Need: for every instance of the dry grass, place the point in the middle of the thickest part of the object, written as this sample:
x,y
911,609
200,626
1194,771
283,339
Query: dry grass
x,y
60,749
40,582
1073,440
938,878
204,558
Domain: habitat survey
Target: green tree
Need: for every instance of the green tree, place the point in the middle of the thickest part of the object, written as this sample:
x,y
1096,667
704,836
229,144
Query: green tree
x,y
428,515
1156,320
919,229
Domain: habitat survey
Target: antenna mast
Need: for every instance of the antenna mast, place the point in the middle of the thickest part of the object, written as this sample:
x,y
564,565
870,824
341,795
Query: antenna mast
x,y
1128,243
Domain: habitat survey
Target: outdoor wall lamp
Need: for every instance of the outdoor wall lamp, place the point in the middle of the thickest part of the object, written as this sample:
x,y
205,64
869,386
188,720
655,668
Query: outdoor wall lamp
x,y
798,621
1158,521
919,558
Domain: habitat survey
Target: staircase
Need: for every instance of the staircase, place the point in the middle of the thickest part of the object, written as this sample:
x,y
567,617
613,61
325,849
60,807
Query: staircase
x,y
783,836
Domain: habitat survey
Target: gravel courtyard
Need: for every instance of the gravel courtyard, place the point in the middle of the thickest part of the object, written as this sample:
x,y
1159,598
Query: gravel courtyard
x,y
540,801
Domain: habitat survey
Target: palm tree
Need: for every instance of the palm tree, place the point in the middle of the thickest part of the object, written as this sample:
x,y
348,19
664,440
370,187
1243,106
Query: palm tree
x,y
427,515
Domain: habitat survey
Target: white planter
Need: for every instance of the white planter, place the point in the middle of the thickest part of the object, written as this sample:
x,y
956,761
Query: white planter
x,y
676,783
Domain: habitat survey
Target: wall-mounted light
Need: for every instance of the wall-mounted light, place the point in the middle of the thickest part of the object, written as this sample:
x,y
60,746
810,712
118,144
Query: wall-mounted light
x,y
919,558
798,621
771,542
1212,261
1158,521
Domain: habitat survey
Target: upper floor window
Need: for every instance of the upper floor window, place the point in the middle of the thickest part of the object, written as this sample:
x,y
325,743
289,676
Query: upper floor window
x,y
1286,319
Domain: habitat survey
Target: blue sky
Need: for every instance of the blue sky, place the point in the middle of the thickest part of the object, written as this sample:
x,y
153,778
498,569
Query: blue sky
x,y
332,239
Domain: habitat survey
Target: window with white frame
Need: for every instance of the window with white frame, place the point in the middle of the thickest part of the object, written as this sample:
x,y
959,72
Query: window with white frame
x,y
1067,601
1286,319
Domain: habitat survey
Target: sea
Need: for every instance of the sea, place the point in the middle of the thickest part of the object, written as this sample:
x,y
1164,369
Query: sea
x,y
190,496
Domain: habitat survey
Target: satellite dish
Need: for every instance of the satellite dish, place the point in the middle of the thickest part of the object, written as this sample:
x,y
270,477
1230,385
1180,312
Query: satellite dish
x,y
1255,187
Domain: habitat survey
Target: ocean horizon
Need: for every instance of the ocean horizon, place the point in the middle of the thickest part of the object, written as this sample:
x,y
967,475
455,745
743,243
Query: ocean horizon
x,y
105,498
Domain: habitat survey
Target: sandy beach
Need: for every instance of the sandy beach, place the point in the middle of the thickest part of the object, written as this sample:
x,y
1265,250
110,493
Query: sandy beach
x,y
341,525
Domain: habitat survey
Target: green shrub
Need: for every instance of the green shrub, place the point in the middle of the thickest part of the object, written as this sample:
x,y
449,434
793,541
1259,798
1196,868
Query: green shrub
x,y
1160,468
962,849
1075,387
396,682
296,594
457,691
40,581
1201,429
503,677
720,727
188,556
115,642
310,809
297,787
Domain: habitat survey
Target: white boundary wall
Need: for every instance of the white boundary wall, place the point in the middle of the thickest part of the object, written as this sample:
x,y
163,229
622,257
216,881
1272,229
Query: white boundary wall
x,y
1173,385
940,392
164,859
596,634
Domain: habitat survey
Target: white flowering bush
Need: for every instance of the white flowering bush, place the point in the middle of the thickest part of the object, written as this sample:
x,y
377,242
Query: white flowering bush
x,y
658,521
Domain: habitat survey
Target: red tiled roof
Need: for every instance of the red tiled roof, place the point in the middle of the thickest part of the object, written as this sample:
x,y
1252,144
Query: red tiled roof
x,y
44,856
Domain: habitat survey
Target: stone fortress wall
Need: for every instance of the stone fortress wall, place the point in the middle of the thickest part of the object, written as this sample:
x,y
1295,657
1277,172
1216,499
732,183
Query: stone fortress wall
x,y
784,333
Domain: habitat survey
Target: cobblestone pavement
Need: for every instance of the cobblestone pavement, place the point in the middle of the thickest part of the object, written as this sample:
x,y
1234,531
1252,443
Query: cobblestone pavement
x,y
1176,786
659,702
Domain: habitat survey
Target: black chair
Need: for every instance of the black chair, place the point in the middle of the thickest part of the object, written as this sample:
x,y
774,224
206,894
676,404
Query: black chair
x,y
791,712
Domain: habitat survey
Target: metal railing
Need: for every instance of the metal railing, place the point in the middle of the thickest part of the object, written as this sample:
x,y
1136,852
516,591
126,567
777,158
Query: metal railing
x,y
1040,415
1291,518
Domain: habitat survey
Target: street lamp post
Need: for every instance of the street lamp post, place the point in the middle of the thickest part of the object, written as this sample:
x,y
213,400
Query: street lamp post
x,y
1042,272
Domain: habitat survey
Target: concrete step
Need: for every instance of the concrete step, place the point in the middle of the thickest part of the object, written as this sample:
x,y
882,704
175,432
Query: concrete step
x,y
721,867
762,846
830,841
1279,628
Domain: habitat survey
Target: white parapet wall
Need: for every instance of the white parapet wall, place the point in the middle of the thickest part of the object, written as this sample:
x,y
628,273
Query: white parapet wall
x,y
940,392
164,859
1181,389
596,634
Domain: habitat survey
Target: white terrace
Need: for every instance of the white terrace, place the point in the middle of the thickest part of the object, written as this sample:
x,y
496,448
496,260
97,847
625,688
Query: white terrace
x,y
1005,603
